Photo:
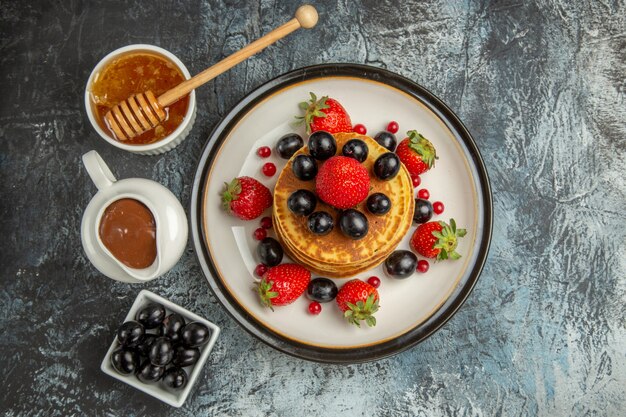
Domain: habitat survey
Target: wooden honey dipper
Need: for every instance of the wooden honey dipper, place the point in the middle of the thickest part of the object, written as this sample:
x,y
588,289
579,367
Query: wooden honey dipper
x,y
144,111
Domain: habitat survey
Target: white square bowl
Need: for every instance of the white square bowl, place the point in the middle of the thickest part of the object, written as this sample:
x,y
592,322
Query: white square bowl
x,y
175,399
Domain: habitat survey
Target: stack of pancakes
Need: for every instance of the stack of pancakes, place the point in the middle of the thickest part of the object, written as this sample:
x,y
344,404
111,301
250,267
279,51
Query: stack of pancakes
x,y
336,255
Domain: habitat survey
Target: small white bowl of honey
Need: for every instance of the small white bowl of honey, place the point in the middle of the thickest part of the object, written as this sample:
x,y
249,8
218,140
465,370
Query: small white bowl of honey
x,y
135,69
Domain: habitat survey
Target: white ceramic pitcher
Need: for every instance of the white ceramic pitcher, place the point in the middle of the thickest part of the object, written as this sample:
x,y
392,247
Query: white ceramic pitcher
x,y
169,216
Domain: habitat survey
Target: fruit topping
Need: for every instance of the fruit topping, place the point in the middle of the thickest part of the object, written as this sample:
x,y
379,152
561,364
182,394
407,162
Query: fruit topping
x,y
283,284
423,211
416,153
423,193
304,167
151,316
438,207
194,335
360,129
171,327
269,169
289,144
422,266
161,351
321,290
324,114
260,269
270,252
130,333
302,202
353,224
342,182
315,308
387,166
358,301
393,127
266,222
246,198
320,223
264,151
400,264
374,281
149,373
322,145
386,140
355,148
125,360
260,233
437,240
185,356
175,378
378,203
416,181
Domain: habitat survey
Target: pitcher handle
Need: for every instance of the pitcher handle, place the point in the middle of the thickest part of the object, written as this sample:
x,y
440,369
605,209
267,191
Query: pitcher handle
x,y
98,170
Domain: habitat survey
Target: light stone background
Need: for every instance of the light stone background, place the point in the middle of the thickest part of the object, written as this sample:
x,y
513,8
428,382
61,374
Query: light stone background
x,y
541,86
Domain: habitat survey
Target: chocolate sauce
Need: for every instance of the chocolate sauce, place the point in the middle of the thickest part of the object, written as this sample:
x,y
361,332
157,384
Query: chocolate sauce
x,y
128,230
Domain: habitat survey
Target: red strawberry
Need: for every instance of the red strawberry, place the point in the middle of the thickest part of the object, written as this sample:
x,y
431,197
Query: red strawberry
x,y
283,284
325,114
416,153
437,240
358,301
246,198
342,182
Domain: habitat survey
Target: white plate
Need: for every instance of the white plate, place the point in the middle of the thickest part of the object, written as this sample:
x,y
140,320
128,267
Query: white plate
x,y
410,309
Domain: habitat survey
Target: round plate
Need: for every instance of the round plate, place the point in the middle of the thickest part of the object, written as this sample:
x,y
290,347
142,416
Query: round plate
x,y
410,309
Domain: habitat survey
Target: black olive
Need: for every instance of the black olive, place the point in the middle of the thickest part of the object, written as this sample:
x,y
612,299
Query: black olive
x,y
161,351
175,378
171,327
195,334
130,333
125,360
184,356
150,373
151,316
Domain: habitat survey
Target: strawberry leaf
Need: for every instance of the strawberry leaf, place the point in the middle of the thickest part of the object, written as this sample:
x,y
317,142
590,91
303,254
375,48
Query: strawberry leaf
x,y
266,294
231,193
447,240
362,311
312,109
423,147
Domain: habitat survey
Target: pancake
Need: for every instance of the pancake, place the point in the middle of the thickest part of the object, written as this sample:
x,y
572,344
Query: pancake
x,y
321,264
336,255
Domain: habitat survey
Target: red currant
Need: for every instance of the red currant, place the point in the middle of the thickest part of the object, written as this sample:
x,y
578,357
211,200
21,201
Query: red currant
x,y
315,308
269,169
260,270
264,151
393,127
416,180
360,129
266,222
423,194
422,266
374,281
260,233
438,207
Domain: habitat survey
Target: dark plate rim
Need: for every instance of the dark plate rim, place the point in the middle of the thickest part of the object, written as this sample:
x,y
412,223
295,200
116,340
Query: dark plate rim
x,y
349,355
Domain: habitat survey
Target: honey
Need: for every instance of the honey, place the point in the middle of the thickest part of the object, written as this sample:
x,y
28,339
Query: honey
x,y
133,73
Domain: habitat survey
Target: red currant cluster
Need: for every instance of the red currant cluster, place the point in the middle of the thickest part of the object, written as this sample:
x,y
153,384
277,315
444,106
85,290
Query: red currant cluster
x,y
269,169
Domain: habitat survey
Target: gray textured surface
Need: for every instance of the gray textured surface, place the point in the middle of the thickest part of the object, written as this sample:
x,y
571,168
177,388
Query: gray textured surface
x,y
541,85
